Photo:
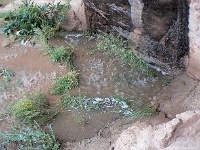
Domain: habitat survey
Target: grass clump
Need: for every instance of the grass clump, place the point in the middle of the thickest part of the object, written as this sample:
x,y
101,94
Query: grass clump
x,y
144,111
116,46
117,105
63,84
5,77
32,108
30,138
29,16
60,54
6,74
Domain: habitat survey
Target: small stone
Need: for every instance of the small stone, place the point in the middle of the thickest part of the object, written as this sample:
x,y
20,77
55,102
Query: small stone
x,y
6,42
196,6
138,31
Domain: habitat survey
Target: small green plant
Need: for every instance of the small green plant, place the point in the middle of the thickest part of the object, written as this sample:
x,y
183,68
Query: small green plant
x,y
41,22
6,74
118,105
63,84
144,111
32,108
30,138
3,87
29,16
166,82
116,46
60,54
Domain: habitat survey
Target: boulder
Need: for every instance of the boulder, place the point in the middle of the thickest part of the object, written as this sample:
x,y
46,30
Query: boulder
x,y
181,132
75,18
193,68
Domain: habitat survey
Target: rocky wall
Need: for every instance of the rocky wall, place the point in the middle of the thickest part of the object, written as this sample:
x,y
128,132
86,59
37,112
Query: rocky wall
x,y
193,68
157,29
109,15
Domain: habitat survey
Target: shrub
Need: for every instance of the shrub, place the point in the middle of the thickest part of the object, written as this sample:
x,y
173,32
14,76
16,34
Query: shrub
x,y
30,138
29,16
63,84
33,108
61,55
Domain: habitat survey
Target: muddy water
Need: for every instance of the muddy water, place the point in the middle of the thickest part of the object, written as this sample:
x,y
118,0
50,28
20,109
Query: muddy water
x,y
32,70
99,76
102,76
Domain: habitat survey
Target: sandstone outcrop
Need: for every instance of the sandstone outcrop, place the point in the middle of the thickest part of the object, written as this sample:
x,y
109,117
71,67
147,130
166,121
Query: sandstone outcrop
x,y
193,68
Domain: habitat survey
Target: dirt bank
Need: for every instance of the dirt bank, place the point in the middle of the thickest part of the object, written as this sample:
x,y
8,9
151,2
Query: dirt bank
x,y
176,127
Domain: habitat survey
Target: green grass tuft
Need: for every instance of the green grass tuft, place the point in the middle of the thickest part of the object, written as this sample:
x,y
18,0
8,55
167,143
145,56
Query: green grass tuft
x,y
30,16
63,84
30,138
32,108
116,46
60,54
6,74
118,105
145,111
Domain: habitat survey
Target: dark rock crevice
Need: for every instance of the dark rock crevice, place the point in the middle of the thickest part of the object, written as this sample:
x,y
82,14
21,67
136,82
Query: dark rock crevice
x,y
107,15
157,29
176,39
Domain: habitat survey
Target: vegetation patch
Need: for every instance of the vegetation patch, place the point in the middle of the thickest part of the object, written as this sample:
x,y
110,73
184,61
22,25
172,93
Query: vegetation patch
x,y
41,22
5,77
63,84
6,74
117,47
144,111
33,108
115,104
30,138
60,54
22,21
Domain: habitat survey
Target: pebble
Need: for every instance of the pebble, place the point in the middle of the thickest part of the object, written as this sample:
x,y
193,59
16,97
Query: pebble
x,y
6,42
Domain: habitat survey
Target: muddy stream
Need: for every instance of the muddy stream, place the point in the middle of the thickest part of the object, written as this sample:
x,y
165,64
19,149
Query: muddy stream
x,y
99,76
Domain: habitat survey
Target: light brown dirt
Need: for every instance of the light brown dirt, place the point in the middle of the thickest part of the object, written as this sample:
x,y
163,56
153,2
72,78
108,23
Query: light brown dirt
x,y
176,127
